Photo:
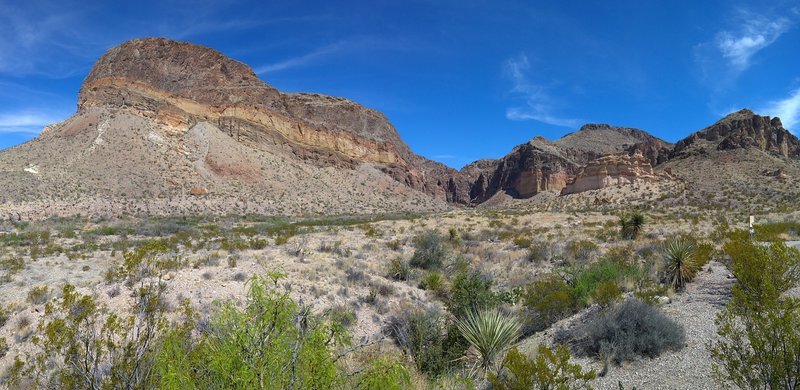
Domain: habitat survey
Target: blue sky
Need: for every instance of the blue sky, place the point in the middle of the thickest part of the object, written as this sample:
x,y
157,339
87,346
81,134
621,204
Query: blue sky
x,y
460,80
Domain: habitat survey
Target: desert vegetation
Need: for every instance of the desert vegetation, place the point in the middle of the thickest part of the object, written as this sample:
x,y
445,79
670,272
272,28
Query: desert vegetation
x,y
457,300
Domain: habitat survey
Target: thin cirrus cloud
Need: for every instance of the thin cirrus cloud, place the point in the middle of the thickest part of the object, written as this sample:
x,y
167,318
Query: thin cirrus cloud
x,y
787,109
24,123
305,59
538,102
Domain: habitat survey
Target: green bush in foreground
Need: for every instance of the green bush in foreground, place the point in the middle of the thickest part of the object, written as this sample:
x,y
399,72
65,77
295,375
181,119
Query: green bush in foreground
x,y
759,344
270,342
548,370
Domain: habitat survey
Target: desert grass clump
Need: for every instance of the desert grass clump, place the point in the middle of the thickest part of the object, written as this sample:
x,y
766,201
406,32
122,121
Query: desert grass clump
x,y
430,251
628,330
39,295
398,269
490,333
679,263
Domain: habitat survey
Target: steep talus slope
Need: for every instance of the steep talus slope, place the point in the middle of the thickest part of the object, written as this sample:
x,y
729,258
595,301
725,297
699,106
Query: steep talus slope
x,y
160,120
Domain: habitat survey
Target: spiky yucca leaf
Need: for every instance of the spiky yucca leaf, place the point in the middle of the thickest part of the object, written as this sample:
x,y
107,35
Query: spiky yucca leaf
x,y
680,265
490,333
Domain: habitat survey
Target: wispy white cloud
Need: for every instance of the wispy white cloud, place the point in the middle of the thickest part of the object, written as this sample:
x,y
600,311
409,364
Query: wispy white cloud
x,y
25,122
303,60
755,34
539,105
787,109
735,49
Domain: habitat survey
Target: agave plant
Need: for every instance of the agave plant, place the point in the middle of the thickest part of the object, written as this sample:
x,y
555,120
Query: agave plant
x,y
680,264
490,333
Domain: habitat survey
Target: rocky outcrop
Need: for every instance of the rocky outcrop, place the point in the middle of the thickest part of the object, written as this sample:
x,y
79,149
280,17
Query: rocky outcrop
x,y
530,168
745,130
179,84
611,170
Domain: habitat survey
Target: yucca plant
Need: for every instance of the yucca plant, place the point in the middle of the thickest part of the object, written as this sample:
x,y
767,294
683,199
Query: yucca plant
x,y
636,223
680,265
490,333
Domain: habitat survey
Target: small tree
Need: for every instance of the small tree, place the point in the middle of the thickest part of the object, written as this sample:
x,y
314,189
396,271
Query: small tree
x,y
759,343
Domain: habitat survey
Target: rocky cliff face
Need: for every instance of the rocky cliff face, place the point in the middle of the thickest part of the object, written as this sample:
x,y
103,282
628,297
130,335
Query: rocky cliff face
x,y
744,130
540,165
179,84
611,170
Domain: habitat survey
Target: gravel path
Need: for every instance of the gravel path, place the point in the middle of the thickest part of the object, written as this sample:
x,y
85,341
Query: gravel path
x,y
689,368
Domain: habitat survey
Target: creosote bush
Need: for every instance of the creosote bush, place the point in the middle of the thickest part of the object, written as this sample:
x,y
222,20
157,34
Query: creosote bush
x,y
628,330
759,345
548,369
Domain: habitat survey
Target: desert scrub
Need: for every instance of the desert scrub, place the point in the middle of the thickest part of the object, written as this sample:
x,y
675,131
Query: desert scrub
x,y
430,251
470,290
434,281
628,330
758,344
430,339
581,250
84,347
398,269
39,295
548,299
547,369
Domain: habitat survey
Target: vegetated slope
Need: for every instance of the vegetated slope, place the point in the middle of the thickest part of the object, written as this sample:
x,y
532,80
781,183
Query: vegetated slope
x,y
742,161
172,127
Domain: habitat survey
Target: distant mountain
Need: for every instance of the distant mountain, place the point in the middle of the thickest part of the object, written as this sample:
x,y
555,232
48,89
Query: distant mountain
x,y
540,165
742,160
167,127
171,127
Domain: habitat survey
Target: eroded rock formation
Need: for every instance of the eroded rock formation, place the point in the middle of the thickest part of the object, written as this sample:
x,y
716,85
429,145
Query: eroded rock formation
x,y
611,170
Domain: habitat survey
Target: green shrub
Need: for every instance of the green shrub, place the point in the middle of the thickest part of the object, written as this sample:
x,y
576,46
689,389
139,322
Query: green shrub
x,y
758,344
490,333
269,343
470,291
420,334
384,373
398,269
548,369
83,347
430,251
606,293
4,315
629,329
433,281
550,299
585,280
522,242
